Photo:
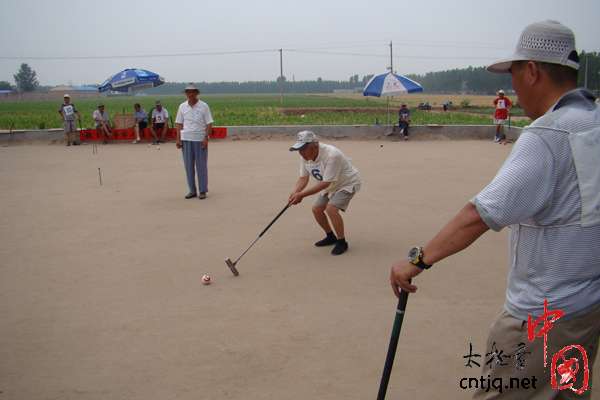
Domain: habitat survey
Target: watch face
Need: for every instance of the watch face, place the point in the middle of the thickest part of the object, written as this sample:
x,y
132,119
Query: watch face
x,y
413,255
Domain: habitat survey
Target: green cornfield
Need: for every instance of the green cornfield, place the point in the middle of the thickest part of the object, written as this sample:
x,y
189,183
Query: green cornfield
x,y
237,110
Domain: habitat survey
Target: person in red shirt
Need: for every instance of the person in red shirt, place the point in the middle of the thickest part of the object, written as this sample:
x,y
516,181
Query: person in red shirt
x,y
503,106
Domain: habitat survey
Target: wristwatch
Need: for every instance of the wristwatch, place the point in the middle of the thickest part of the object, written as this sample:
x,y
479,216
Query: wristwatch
x,y
415,257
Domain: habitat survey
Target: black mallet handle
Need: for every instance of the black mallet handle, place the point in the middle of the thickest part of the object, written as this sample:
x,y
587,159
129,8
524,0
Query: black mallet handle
x,y
275,219
389,360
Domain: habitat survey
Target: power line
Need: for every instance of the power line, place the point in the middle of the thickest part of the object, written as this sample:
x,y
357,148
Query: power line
x,y
403,56
205,53
314,49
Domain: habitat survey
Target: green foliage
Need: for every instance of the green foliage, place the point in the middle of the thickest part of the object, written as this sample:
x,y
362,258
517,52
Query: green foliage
x,y
465,80
5,85
26,79
593,70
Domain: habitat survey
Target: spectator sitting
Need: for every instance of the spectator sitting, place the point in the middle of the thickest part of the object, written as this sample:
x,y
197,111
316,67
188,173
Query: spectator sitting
x,y
404,120
102,121
160,118
141,121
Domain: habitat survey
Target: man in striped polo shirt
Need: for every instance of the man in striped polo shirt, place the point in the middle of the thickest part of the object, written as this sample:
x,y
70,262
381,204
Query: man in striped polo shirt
x,y
548,193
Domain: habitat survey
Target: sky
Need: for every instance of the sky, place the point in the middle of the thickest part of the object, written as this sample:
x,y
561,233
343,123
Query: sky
x,y
80,41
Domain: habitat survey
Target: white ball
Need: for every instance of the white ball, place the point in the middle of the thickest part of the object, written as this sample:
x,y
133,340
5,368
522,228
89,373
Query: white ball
x,y
206,279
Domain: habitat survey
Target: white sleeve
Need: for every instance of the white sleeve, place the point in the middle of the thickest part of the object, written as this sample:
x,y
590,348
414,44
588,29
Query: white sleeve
x,y
166,114
179,117
208,119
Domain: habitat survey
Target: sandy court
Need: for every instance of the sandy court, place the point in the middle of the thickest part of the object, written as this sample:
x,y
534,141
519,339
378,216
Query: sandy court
x,y
100,293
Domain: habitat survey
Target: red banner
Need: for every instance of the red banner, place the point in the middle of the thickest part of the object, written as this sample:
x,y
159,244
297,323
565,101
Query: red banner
x,y
90,135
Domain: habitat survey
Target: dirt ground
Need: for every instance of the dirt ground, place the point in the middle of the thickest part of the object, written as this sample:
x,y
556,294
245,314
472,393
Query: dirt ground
x,y
100,292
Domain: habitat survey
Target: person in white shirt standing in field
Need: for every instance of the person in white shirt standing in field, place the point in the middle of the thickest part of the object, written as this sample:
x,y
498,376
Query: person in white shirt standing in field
x,y
338,181
194,126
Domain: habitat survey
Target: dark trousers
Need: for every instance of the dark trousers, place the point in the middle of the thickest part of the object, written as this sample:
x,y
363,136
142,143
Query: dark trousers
x,y
403,125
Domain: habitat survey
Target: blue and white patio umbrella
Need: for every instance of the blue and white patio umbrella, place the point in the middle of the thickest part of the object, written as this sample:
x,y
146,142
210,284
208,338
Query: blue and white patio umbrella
x,y
131,79
390,84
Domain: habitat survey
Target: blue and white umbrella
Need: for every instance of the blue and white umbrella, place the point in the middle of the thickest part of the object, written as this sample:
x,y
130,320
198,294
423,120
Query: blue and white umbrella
x,y
131,79
390,84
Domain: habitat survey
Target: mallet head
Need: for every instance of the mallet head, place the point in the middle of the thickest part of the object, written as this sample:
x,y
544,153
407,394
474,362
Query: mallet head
x,y
232,267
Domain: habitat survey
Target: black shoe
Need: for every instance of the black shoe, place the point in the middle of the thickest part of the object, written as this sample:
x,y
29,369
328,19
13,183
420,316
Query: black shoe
x,y
340,247
202,195
328,241
190,196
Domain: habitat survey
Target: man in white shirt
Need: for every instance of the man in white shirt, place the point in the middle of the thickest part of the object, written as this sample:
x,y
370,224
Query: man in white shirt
x,y
194,125
338,181
159,126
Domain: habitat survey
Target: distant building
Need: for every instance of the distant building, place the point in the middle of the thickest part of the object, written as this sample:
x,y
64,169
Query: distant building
x,y
74,89
61,89
85,89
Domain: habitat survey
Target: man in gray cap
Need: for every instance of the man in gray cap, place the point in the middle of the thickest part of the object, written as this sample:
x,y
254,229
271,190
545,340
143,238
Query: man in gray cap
x,y
548,193
338,181
194,126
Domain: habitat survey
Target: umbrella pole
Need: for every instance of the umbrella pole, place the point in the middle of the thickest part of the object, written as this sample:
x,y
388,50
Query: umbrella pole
x,y
388,110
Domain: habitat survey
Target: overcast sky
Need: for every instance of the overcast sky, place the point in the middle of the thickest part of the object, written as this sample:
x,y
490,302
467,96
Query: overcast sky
x,y
427,35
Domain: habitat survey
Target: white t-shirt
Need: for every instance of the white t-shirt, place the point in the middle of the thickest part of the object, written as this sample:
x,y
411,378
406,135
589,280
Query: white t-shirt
x,y
331,165
194,119
160,117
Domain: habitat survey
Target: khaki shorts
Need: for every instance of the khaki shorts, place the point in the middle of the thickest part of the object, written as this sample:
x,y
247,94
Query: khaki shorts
x,y
509,334
500,122
339,200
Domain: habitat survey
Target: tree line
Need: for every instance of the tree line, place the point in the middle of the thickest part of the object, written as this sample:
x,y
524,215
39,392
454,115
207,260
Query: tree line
x,y
478,80
473,80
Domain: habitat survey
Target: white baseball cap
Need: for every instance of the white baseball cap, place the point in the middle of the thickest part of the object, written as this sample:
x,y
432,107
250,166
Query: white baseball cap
x,y
546,41
500,91
303,138
66,95
191,87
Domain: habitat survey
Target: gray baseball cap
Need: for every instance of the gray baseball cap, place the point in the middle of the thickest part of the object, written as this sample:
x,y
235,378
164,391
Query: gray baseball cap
x,y
303,138
546,41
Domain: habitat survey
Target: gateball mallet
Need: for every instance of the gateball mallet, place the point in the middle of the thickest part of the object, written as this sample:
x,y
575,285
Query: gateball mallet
x,y
389,360
231,264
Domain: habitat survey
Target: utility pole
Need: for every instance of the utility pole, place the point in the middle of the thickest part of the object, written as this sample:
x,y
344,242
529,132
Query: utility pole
x,y
391,57
585,78
281,76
